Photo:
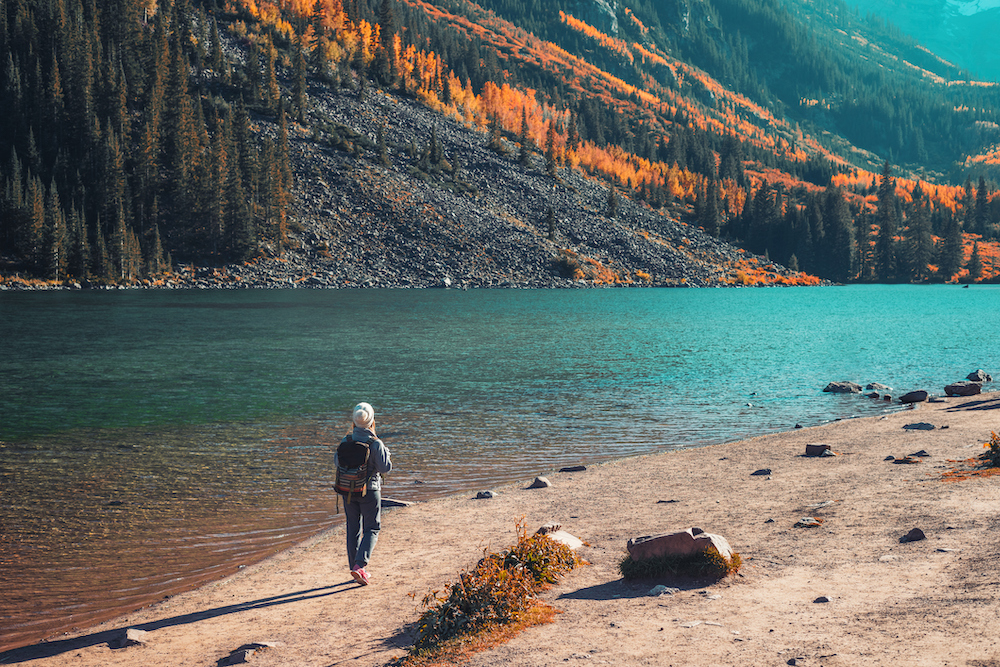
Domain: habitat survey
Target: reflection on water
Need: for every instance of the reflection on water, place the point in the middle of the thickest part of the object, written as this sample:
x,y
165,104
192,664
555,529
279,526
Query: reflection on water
x,y
114,519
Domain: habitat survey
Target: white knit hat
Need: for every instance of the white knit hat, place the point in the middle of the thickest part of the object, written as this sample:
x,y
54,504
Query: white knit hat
x,y
364,415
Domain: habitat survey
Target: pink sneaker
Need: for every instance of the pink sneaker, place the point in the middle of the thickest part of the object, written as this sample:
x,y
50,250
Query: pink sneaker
x,y
359,575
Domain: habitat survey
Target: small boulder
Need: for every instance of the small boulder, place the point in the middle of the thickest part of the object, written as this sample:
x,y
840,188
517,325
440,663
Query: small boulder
x,y
873,394
919,426
877,386
569,540
680,544
918,396
550,527
963,388
914,535
979,376
659,590
573,469
540,483
761,472
244,653
843,388
818,450
130,637
486,494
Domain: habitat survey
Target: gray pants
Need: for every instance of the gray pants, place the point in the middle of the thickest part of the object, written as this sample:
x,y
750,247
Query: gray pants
x,y
364,517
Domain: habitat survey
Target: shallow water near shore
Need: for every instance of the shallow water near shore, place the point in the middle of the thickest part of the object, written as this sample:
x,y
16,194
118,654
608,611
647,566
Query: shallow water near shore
x,y
154,440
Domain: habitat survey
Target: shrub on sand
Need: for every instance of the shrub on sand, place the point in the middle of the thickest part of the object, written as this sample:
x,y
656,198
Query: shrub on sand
x,y
499,592
708,563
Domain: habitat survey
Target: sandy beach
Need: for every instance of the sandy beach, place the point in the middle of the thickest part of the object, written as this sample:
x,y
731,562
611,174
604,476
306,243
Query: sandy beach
x,y
927,602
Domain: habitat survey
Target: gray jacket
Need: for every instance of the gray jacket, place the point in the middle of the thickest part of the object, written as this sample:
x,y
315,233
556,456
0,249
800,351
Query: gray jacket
x,y
379,459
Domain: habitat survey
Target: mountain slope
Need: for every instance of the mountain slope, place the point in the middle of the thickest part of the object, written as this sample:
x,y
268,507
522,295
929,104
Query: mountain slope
x,y
962,31
422,140
360,222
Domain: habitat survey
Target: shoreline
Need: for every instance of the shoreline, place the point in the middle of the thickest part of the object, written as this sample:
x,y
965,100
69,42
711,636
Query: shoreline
x,y
297,599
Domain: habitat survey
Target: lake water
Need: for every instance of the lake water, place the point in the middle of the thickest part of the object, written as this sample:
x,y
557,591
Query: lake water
x,y
154,440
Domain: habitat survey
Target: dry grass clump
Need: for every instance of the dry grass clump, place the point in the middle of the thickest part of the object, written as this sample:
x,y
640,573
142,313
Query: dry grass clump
x,y
708,563
985,465
491,603
992,456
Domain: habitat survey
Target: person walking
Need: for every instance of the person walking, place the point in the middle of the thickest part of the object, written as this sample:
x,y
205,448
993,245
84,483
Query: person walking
x,y
364,512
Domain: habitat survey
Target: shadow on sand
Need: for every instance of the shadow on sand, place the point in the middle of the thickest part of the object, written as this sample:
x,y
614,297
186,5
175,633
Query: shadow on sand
x,y
51,649
985,404
620,588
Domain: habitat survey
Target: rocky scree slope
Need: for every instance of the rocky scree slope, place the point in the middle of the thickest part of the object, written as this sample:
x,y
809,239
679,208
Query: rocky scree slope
x,y
481,221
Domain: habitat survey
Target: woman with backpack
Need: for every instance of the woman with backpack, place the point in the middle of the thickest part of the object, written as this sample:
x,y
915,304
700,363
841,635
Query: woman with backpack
x,y
360,460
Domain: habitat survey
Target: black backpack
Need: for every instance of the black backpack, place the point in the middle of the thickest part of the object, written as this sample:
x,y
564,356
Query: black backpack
x,y
353,467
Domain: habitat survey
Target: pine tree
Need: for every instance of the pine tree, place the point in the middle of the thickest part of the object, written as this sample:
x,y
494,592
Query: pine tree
x,y
221,140
841,246
436,150
34,247
968,207
572,134
284,164
271,89
383,150
78,261
731,160
982,207
299,92
866,244
495,144
920,244
156,263
710,217
950,254
253,73
761,221
524,157
101,268
612,204
385,67
550,148
446,94
54,237
975,264
886,260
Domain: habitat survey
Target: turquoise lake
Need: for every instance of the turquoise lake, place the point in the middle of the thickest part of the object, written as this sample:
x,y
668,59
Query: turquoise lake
x,y
154,440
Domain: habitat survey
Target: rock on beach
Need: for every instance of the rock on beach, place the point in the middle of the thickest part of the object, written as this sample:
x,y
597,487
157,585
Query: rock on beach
x,y
680,544
963,388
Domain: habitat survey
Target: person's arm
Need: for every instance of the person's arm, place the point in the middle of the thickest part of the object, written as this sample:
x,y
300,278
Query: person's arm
x,y
381,457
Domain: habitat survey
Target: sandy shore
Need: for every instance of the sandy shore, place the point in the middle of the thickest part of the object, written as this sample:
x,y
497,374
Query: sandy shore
x,y
930,602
